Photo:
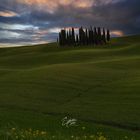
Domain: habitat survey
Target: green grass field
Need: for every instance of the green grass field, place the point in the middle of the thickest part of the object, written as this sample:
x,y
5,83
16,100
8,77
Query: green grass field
x,y
99,86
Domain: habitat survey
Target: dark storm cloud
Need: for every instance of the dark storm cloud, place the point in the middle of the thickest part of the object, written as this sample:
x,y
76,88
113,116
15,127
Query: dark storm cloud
x,y
41,24
123,16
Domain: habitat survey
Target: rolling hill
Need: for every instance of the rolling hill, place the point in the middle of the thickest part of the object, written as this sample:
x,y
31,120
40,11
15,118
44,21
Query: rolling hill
x,y
98,85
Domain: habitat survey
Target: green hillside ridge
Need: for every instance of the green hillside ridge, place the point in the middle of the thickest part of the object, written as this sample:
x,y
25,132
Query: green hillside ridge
x,y
99,86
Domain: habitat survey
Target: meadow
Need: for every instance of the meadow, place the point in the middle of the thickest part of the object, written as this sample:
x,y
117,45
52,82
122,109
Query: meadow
x,y
97,85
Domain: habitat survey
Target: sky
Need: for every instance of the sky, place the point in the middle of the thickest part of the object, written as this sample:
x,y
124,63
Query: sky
x,y
30,22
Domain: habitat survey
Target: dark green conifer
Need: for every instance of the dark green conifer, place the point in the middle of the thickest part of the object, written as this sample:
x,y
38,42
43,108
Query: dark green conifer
x,y
86,37
73,36
95,36
91,36
77,40
108,35
99,36
104,36
67,37
81,36
63,36
60,39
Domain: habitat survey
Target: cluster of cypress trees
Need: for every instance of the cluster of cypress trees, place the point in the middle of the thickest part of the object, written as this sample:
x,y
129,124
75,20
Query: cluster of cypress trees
x,y
91,36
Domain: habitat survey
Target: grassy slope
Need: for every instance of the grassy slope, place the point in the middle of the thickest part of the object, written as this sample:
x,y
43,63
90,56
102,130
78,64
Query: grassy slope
x,y
99,85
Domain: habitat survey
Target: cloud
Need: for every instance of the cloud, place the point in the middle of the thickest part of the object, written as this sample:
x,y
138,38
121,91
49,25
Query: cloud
x,y
117,33
51,6
17,26
8,13
9,34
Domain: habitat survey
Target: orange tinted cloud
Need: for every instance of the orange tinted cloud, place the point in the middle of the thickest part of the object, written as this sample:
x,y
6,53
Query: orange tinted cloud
x,y
52,5
117,33
8,14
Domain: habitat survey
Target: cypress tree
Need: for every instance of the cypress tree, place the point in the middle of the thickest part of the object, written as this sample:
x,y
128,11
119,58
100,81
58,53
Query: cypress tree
x,y
93,39
63,36
57,40
70,37
99,36
67,37
77,40
60,39
86,37
73,36
81,35
108,35
95,36
91,35
104,36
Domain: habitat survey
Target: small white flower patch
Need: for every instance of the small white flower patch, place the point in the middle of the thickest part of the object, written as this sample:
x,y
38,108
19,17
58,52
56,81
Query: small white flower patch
x,y
69,122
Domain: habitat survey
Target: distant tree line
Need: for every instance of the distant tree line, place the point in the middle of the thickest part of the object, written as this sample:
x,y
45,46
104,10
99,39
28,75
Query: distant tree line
x,y
91,36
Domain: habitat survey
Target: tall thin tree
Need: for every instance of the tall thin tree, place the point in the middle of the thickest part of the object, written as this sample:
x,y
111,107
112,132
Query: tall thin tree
x,y
104,36
108,35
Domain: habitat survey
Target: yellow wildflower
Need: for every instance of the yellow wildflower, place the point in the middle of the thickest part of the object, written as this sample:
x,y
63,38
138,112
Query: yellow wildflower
x,y
83,128
13,129
43,133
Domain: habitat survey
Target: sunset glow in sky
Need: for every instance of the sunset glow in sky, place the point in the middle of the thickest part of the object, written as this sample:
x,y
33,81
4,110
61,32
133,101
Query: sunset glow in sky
x,y
39,21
